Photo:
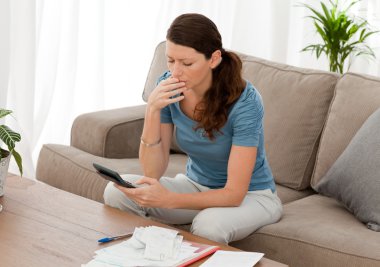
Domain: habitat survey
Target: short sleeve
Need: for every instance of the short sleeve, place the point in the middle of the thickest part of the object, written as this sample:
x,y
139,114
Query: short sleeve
x,y
248,120
164,76
165,114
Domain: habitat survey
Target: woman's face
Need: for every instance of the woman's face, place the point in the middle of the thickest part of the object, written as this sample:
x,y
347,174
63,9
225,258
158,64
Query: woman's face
x,y
190,66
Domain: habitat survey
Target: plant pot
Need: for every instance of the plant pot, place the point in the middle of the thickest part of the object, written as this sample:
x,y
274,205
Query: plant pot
x,y
4,164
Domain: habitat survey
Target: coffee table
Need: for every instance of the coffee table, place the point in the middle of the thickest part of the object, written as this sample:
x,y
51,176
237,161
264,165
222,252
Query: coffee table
x,y
44,226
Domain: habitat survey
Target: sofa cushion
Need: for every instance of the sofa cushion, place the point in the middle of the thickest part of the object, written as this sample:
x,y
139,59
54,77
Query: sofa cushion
x,y
316,231
296,103
354,178
287,194
70,169
356,98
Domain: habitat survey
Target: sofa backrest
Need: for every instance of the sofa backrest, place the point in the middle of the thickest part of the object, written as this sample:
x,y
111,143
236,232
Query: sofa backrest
x,y
157,67
296,103
356,98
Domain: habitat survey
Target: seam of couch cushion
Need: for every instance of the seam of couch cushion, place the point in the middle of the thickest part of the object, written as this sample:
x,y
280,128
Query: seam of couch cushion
x,y
284,68
310,157
69,159
322,134
314,244
366,77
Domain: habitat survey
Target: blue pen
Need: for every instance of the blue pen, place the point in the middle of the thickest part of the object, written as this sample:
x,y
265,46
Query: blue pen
x,y
108,239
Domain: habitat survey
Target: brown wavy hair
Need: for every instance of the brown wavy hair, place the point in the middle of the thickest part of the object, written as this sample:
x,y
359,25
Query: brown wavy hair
x,y
199,32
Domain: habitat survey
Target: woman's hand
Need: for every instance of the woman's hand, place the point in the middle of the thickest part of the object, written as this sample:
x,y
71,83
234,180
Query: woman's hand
x,y
154,195
161,95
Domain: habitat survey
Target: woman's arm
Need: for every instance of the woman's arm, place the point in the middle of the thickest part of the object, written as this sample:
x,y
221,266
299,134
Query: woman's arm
x,y
154,159
156,137
240,167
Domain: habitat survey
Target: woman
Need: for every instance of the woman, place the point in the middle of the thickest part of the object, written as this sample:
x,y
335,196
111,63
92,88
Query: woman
x,y
228,191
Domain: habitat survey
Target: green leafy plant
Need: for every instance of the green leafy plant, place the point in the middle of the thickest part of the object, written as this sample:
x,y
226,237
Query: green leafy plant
x,y
342,35
9,137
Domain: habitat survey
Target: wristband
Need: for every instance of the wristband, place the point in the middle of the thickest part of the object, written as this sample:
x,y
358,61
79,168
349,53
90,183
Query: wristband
x,y
148,144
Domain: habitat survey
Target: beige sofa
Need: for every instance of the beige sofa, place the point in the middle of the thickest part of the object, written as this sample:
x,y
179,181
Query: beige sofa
x,y
310,117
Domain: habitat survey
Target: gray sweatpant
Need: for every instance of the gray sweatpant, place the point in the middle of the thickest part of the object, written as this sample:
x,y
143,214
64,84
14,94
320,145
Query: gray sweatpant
x,y
221,224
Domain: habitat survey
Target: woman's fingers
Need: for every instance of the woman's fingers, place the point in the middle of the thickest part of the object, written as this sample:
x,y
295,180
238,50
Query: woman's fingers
x,y
147,180
172,87
175,92
167,92
175,99
171,84
171,96
169,80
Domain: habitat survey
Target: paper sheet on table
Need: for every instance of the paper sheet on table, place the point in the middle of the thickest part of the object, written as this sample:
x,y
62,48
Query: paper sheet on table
x,y
126,254
223,258
151,246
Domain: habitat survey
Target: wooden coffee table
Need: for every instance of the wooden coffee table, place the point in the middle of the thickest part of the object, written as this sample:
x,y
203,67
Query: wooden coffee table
x,y
43,226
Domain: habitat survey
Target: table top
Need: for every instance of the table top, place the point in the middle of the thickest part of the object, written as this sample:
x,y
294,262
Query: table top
x,y
44,226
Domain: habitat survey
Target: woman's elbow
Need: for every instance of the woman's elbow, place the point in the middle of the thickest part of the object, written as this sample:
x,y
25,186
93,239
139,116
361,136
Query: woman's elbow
x,y
236,198
238,201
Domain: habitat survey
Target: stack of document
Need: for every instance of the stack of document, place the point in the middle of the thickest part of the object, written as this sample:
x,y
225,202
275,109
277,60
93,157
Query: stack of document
x,y
233,258
151,246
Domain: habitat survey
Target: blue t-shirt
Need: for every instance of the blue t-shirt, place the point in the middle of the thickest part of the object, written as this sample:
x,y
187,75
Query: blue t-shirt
x,y
208,159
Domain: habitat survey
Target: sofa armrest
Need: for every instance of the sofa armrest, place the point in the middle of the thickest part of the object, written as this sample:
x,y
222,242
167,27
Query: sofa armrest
x,y
110,133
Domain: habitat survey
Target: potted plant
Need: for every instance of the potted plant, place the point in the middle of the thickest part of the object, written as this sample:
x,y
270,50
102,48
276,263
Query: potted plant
x,y
343,36
9,138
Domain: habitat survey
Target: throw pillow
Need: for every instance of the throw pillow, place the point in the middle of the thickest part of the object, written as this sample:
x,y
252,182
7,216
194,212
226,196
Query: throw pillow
x,y
354,179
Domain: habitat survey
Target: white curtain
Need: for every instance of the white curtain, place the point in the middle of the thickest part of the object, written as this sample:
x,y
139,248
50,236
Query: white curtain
x,y
61,58
17,73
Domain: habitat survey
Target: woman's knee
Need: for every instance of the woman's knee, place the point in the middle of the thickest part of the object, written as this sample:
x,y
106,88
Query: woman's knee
x,y
210,228
112,196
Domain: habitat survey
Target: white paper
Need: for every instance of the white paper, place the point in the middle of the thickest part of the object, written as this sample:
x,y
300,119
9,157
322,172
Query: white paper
x,y
124,256
149,246
160,243
222,258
